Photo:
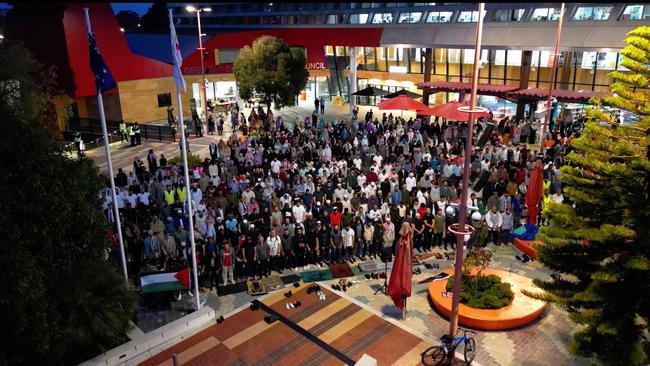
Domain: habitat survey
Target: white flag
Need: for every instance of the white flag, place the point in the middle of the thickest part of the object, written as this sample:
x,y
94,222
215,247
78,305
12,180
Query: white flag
x,y
176,55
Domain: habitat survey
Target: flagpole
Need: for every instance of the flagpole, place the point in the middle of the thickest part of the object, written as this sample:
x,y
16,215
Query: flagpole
x,y
181,124
107,149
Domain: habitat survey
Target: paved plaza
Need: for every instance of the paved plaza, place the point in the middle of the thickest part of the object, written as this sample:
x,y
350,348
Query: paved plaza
x,y
544,342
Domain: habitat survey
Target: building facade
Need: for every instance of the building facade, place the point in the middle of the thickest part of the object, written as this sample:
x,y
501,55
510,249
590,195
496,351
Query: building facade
x,y
393,44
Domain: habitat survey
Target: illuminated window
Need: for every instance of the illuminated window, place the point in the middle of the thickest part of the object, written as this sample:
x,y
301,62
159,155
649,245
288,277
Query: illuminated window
x,y
543,14
468,17
636,12
509,15
592,13
358,18
329,51
410,17
439,17
382,18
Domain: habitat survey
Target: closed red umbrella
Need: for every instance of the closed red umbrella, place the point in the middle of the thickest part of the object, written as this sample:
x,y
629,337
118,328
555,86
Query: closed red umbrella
x,y
450,111
401,103
534,193
399,285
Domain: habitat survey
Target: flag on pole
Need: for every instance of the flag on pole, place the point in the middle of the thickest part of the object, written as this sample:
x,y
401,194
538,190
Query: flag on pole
x,y
177,56
103,77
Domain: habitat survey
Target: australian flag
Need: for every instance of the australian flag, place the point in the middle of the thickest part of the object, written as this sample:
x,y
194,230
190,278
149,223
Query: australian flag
x,y
103,77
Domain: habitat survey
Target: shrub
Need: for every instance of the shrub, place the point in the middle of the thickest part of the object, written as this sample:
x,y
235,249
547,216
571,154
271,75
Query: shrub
x,y
192,160
483,292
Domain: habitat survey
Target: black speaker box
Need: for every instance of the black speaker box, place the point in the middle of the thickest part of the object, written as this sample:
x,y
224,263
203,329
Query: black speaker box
x,y
480,181
485,135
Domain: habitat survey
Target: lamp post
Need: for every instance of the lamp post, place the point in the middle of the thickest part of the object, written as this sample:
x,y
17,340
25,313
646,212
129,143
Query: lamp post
x,y
556,56
203,96
461,229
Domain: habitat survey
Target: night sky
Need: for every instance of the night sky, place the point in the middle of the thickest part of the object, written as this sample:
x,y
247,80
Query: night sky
x,y
140,8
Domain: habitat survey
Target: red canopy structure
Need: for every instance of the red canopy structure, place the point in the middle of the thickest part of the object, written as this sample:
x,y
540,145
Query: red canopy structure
x,y
534,193
450,111
401,103
399,286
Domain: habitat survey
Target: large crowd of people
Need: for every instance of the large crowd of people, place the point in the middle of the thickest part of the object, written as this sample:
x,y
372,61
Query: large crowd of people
x,y
270,199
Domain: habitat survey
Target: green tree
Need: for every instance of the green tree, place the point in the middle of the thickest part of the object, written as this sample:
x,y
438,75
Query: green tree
x,y
128,20
600,249
155,20
60,302
271,69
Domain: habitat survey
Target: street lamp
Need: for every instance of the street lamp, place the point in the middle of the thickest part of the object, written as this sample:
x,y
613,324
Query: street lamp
x,y
204,96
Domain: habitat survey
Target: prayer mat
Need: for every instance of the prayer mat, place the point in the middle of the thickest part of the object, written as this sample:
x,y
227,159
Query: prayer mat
x,y
289,279
273,283
316,276
256,288
232,289
341,270
423,257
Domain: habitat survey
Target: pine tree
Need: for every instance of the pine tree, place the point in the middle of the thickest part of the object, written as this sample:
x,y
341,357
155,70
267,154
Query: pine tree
x,y
600,247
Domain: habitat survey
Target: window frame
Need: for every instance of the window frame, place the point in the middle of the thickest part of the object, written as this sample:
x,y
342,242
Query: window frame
x,y
451,15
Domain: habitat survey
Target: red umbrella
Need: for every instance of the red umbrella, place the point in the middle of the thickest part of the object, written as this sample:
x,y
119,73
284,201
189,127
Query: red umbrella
x,y
401,103
534,193
450,111
399,286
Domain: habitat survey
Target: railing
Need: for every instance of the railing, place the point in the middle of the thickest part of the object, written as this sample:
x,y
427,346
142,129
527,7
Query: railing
x,y
91,132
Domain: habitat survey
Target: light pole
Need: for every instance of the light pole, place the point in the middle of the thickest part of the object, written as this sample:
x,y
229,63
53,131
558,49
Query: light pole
x,y
461,229
556,56
203,96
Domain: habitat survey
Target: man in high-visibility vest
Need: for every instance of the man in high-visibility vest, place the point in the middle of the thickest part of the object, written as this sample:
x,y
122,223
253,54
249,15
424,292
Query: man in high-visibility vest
x,y
169,196
78,141
182,193
136,129
131,133
123,134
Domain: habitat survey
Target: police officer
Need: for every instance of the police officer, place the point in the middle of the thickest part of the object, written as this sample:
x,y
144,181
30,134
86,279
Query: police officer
x,y
123,133
136,129
131,131
78,141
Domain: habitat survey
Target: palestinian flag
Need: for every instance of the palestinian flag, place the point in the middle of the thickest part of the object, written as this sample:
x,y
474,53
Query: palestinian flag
x,y
165,281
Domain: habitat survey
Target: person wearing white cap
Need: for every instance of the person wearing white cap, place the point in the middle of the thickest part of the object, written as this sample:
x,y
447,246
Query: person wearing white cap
x,y
389,233
410,181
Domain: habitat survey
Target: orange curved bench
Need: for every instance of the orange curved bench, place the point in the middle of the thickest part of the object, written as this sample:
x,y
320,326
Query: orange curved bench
x,y
526,246
523,309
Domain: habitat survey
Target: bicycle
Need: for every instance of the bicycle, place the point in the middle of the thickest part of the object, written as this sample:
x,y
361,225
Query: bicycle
x,y
436,355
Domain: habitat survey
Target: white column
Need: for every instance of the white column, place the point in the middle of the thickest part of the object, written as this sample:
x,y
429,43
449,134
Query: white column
x,y
353,77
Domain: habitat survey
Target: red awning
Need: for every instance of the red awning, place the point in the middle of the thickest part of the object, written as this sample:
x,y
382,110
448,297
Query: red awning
x,y
560,94
466,87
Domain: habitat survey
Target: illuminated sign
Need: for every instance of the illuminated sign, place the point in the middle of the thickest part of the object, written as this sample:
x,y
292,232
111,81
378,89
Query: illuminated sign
x,y
316,66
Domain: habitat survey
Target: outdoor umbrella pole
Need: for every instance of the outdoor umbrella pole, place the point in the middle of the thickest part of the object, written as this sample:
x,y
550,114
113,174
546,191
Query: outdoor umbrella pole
x,y
461,229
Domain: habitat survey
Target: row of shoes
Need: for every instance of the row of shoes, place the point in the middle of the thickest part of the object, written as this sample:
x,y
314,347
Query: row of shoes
x,y
288,294
292,305
316,289
431,266
340,287
220,320
417,271
375,276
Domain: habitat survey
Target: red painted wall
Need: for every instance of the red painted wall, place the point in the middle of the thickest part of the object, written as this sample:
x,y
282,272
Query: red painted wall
x,y
124,65
313,39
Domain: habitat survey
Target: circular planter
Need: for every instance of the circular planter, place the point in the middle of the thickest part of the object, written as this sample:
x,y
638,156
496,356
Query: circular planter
x,y
522,311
